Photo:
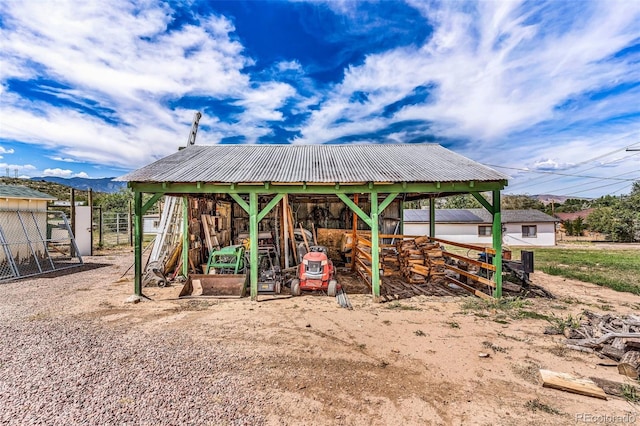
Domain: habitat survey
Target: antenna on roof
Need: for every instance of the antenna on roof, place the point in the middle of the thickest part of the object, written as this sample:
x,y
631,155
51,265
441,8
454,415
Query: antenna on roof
x,y
194,129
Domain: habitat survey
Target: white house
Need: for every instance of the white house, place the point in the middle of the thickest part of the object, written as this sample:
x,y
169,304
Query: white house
x,y
519,227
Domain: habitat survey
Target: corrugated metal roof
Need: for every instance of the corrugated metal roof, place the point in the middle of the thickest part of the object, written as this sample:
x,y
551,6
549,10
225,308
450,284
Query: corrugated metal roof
x,y
314,163
22,192
477,216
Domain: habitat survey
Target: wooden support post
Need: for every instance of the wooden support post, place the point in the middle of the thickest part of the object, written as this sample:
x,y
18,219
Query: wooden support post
x,y
432,217
284,244
72,214
375,248
285,220
90,202
137,197
185,236
253,243
354,234
497,244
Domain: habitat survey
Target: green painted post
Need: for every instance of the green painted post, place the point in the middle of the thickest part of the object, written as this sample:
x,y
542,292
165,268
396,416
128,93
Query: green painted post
x,y
375,251
137,223
185,236
253,242
402,215
432,217
497,244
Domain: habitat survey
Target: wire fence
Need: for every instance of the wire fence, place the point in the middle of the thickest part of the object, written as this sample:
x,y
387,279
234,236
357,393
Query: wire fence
x,y
35,242
113,228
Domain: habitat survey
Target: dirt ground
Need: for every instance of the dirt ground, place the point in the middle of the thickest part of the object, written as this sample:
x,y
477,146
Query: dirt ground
x,y
415,361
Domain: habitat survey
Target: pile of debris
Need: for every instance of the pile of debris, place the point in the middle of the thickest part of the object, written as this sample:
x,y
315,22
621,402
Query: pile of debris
x,y
420,260
615,337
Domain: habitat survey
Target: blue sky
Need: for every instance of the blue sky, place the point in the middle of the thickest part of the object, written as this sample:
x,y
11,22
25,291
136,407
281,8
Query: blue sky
x,y
547,92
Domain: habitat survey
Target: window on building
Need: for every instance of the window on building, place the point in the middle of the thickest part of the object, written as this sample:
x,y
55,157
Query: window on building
x,y
484,231
530,231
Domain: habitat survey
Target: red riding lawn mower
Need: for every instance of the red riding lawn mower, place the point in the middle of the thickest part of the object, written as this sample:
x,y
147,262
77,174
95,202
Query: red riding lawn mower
x,y
316,272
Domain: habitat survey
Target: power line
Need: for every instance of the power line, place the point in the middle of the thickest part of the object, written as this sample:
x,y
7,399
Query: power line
x,y
560,174
586,162
554,179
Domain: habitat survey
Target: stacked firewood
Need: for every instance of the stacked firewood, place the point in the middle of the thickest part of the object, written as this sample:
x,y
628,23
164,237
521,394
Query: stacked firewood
x,y
616,337
419,260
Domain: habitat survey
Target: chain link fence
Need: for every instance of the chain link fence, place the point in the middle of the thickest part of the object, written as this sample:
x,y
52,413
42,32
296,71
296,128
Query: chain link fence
x,y
35,242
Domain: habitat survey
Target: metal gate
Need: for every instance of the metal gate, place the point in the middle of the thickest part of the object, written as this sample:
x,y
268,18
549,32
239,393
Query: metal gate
x,y
35,242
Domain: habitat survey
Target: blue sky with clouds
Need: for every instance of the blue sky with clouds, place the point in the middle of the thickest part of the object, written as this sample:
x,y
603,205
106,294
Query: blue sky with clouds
x,y
548,92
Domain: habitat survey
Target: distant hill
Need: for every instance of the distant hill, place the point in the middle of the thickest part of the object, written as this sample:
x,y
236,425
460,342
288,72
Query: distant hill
x,y
547,198
98,185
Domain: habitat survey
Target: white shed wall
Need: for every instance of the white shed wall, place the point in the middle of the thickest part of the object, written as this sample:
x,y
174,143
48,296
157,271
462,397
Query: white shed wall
x,y
468,233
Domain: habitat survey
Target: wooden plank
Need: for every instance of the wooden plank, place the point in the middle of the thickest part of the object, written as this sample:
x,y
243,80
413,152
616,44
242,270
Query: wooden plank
x,y
207,233
364,254
472,276
470,289
467,246
364,242
568,383
361,263
292,237
304,237
470,261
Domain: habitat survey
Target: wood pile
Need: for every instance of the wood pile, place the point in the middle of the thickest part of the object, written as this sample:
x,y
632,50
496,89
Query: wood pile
x,y
420,260
394,288
609,336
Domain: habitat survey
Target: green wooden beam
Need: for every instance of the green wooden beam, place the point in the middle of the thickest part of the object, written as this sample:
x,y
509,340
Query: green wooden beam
x,y
483,201
375,247
402,216
387,201
185,237
497,244
213,188
357,210
137,223
151,202
242,203
270,206
253,243
432,217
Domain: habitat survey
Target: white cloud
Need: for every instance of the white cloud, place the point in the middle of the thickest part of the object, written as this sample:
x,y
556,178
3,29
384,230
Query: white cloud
x,y
81,175
4,150
57,172
494,71
128,69
63,159
550,164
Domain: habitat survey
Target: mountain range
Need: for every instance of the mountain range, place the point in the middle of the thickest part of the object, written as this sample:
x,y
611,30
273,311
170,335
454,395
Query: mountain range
x,y
98,185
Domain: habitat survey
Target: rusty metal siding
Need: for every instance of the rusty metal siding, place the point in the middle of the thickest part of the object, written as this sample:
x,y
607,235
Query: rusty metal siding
x,y
314,164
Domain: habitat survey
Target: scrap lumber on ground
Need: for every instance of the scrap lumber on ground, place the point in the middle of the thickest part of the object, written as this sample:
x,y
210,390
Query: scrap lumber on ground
x,y
568,383
609,335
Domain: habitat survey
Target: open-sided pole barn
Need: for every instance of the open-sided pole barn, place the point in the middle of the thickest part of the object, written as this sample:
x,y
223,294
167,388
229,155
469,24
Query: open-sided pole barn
x,y
380,172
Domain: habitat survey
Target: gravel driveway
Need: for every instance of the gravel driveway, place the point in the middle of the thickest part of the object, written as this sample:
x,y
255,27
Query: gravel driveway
x,y
57,367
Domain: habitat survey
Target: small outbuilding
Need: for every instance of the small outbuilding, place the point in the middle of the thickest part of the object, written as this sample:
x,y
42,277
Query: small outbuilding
x,y
33,239
365,178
